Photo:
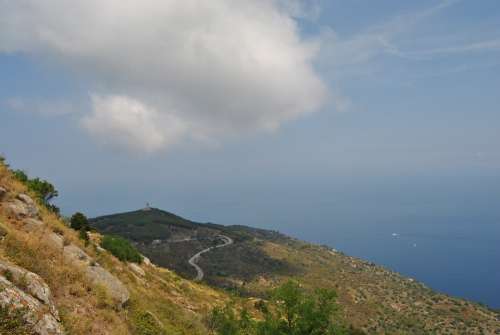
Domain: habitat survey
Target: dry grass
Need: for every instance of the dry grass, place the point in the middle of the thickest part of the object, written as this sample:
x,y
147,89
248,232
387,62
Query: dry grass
x,y
86,308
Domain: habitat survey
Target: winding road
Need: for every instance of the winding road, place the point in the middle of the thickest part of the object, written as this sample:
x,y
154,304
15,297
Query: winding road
x,y
193,260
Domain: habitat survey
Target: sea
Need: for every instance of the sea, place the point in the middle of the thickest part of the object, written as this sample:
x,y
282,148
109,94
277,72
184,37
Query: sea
x,y
442,231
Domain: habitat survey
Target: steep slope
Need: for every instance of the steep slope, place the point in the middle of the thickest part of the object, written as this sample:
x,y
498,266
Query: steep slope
x,y
372,298
52,282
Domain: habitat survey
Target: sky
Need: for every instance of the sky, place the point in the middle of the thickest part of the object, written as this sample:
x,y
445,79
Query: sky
x,y
230,111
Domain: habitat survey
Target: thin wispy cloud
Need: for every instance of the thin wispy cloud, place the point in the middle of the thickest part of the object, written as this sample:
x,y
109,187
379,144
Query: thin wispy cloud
x,y
351,55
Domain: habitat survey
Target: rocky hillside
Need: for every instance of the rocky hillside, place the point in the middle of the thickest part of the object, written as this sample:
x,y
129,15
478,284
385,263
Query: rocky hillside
x,y
52,282
372,298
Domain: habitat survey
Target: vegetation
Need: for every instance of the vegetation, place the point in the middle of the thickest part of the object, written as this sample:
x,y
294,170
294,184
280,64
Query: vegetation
x,y
79,221
43,190
12,322
290,311
121,249
84,236
145,323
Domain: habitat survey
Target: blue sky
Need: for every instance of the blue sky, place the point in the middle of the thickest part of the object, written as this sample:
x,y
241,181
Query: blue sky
x,y
374,91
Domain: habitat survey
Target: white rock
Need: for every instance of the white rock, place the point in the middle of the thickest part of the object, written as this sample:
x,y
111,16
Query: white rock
x,y
35,314
31,224
136,269
97,274
56,240
34,284
22,207
115,288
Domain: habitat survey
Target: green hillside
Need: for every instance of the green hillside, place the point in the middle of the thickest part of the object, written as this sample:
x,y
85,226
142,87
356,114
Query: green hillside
x,y
371,297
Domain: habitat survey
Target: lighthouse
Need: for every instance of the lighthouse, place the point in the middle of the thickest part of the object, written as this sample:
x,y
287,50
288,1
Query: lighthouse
x,y
147,208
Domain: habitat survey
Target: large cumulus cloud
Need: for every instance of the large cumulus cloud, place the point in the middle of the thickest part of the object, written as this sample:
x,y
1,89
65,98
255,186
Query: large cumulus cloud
x,y
162,71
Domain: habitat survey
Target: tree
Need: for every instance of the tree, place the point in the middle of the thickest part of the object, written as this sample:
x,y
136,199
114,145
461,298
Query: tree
x,y
290,311
45,190
79,221
20,175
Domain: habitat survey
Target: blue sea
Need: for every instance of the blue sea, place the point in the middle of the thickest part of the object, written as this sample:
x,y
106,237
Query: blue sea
x,y
442,231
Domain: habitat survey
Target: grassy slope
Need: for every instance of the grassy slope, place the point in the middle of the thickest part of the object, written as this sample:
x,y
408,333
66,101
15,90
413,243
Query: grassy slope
x,y
177,303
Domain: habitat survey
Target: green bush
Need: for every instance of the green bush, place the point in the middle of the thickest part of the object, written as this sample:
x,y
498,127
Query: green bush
x,y
290,311
121,248
79,221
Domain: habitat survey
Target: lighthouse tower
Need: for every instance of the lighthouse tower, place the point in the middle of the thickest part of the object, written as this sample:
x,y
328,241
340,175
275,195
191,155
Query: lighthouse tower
x,y
147,208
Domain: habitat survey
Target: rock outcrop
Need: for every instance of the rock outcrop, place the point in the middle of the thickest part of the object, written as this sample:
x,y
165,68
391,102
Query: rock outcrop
x,y
97,274
26,291
22,207
137,269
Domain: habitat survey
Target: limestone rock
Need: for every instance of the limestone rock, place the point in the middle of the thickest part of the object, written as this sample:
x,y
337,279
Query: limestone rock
x,y
136,269
35,312
75,254
31,282
22,207
97,274
31,225
48,326
116,290
55,240
146,261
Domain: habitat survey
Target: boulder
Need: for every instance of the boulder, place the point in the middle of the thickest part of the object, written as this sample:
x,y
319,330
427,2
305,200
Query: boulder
x,y
30,282
115,288
75,254
35,312
31,225
22,207
29,203
55,240
97,274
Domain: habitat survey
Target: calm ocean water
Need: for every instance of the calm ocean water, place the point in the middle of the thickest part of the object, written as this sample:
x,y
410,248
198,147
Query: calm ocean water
x,y
444,232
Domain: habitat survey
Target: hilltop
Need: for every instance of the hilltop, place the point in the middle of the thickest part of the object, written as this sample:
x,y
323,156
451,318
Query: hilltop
x,y
372,298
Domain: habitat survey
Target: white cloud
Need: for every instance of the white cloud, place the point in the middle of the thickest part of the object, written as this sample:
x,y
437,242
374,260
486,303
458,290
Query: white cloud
x,y
124,121
168,70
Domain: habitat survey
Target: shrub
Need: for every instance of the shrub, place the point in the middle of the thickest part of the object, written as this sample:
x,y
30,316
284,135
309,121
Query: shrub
x,y
79,221
84,235
121,248
291,311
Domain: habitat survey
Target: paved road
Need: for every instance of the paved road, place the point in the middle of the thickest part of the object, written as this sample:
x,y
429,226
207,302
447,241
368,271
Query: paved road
x,y
193,260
